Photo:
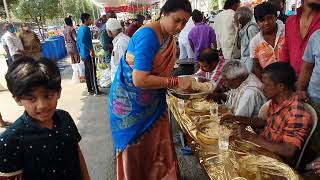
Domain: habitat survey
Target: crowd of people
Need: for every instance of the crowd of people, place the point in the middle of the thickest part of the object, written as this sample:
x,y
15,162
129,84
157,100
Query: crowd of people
x,y
255,57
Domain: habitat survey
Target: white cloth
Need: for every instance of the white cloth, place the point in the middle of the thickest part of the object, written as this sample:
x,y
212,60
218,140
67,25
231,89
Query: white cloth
x,y
248,98
184,45
183,36
225,32
113,24
13,42
185,50
3,41
75,74
120,45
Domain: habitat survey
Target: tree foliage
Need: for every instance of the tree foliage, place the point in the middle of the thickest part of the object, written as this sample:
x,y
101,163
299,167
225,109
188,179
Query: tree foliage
x,y
76,7
11,3
37,11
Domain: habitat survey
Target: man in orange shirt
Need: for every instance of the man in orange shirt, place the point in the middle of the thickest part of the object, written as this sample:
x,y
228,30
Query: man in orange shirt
x,y
287,124
266,46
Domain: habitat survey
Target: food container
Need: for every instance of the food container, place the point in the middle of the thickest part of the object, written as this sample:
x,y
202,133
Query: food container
x,y
203,129
196,107
190,96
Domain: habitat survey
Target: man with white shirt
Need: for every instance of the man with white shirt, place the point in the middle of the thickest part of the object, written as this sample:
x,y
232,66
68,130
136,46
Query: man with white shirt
x,y
184,45
246,96
13,42
120,43
225,29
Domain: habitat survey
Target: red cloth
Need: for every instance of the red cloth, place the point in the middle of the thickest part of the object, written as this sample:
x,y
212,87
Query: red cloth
x,y
133,27
294,45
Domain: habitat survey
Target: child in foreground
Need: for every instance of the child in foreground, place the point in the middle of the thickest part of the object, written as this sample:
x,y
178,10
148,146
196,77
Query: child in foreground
x,y
43,141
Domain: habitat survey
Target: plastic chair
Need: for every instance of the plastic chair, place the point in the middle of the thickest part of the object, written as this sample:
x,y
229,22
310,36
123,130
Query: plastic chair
x,y
263,110
314,118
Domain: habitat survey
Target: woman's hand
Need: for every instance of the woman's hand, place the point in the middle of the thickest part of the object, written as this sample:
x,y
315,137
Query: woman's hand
x,y
184,83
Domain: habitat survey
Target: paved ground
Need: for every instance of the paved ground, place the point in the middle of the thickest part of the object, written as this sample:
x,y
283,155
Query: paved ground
x,y
91,116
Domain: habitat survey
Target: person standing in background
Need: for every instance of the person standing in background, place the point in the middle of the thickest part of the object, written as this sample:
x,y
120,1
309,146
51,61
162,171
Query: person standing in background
x,y
5,47
247,30
280,5
13,42
135,25
266,46
70,36
120,43
184,44
105,40
30,41
225,28
86,51
202,36
298,30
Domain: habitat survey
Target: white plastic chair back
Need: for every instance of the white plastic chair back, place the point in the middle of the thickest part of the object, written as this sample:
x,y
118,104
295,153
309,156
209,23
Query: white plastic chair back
x,y
264,110
314,118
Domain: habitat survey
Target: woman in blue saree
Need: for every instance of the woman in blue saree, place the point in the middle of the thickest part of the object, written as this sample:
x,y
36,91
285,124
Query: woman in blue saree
x,y
138,110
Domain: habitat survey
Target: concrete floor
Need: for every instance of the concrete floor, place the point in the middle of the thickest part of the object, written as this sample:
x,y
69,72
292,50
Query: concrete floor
x,y
91,117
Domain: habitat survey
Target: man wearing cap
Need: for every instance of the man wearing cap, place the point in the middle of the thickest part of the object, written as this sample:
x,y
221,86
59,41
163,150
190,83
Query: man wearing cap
x,y
120,43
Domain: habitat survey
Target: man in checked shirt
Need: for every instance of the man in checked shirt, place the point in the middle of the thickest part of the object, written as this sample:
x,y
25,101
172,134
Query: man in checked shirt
x,y
287,122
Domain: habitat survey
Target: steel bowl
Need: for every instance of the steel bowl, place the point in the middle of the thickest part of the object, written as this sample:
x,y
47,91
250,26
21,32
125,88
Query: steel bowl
x,y
190,96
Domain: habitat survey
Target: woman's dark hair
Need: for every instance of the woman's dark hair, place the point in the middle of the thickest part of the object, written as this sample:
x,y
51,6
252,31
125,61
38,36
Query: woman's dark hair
x,y
85,17
209,56
175,5
68,21
282,72
25,74
264,9
229,3
197,16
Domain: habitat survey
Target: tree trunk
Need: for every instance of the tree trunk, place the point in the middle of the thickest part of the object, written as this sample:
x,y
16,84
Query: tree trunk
x,y
39,28
41,24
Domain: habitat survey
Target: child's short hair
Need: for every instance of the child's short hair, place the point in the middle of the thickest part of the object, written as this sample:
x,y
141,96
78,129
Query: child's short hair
x,y
85,17
264,9
26,73
210,56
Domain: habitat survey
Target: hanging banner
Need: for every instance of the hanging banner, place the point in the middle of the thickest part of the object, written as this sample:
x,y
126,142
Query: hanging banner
x,y
130,8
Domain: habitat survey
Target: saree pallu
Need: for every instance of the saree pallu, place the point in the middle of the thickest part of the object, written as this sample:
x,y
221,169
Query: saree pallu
x,y
139,122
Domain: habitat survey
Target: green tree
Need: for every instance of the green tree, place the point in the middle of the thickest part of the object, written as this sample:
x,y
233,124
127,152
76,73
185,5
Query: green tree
x,y
11,4
214,5
75,8
37,11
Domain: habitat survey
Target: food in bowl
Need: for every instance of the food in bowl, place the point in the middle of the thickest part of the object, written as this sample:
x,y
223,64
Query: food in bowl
x,y
208,132
201,87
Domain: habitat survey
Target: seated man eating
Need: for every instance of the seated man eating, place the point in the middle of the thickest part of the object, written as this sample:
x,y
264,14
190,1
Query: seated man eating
x,y
210,65
287,123
246,96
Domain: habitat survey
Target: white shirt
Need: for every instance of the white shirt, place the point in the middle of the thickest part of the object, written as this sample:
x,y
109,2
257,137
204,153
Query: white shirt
x,y
248,98
120,45
225,32
183,36
13,42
